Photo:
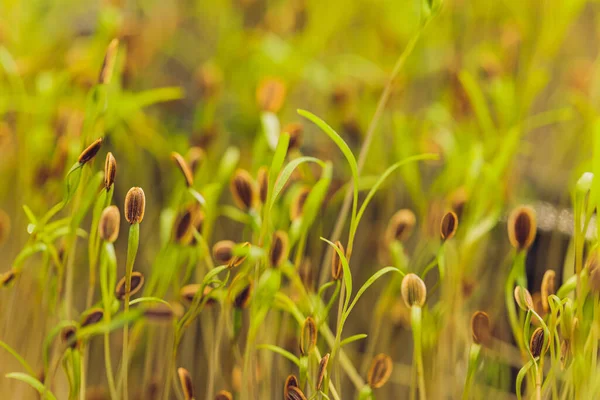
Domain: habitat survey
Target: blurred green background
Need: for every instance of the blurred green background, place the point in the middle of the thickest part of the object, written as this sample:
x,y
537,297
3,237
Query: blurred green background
x,y
506,92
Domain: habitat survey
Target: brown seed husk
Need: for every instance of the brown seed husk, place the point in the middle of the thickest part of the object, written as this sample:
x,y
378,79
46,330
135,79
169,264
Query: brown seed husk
x,y
223,253
523,298
413,290
68,336
8,277
110,170
186,383
322,370
297,206
548,288
223,395
522,228
188,292
337,268
295,130
481,330
308,339
242,297
137,281
536,342
90,152
243,189
135,205
448,225
279,248
186,223
270,94
160,312
291,381
401,226
108,64
184,168
380,371
294,393
93,316
108,226
262,178
195,156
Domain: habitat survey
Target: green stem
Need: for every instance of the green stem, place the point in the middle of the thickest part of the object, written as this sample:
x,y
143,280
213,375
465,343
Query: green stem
x,y
132,247
415,314
473,361
106,274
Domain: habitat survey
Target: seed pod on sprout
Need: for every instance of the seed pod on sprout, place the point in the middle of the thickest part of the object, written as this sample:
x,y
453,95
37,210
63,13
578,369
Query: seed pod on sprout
x,y
337,268
262,177
223,395
297,206
279,248
188,292
380,371
295,130
183,168
294,393
163,313
401,226
413,290
480,328
522,227
223,253
185,225
448,225
135,205
195,156
108,65
308,339
242,297
110,170
291,381
108,226
137,281
548,288
8,277
93,316
270,94
536,343
523,298
90,152
186,383
68,336
322,370
243,189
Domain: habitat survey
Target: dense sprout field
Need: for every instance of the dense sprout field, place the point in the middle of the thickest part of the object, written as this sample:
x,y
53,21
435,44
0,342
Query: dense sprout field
x,y
303,199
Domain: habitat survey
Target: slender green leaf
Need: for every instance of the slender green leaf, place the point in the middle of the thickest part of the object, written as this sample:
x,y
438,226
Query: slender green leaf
x,y
34,383
347,274
284,176
367,284
18,357
385,175
352,338
281,352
